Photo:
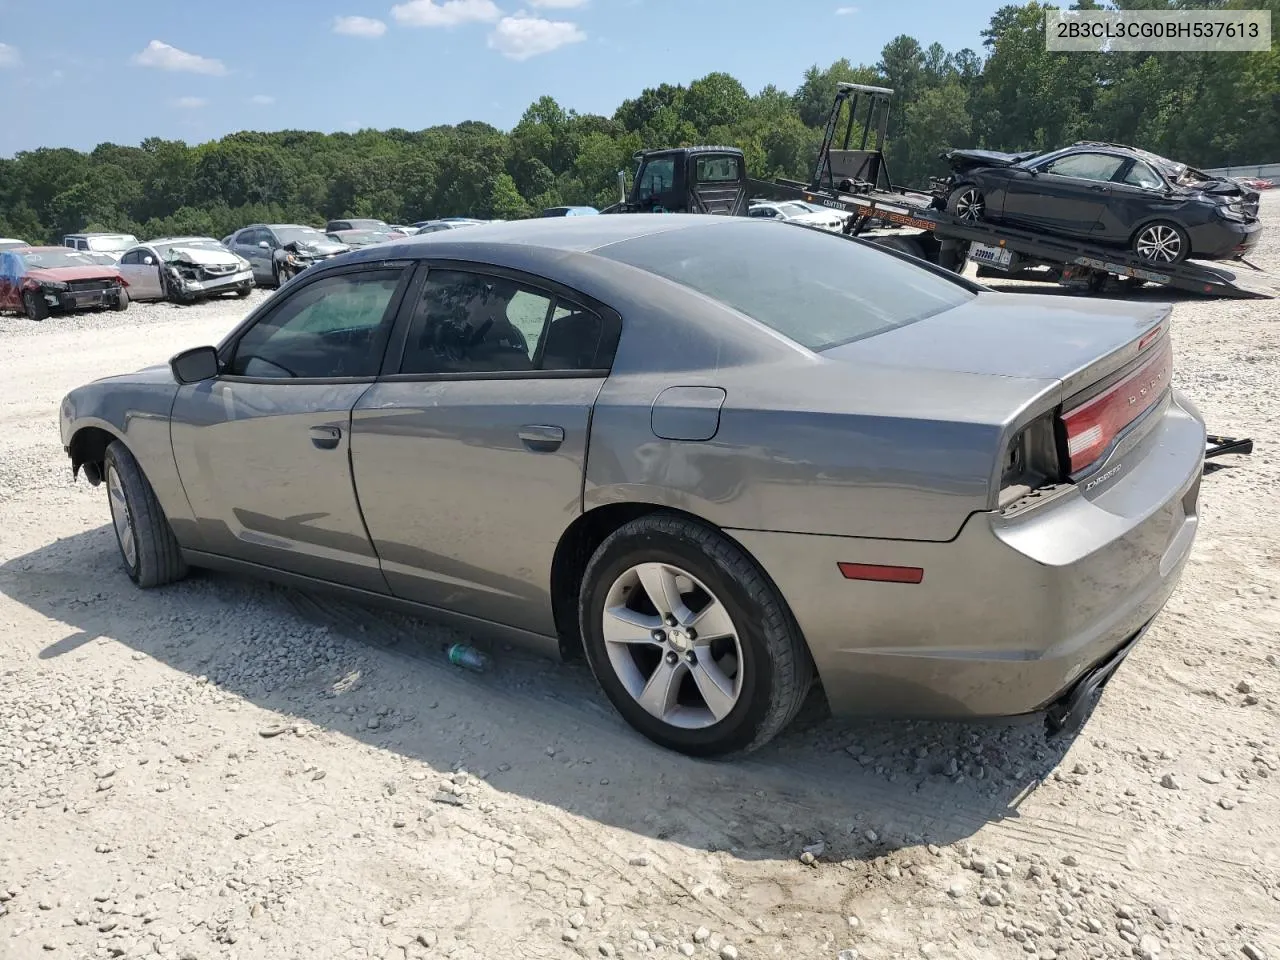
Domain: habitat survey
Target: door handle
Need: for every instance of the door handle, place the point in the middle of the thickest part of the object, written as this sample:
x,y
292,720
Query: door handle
x,y
1098,187
326,438
541,437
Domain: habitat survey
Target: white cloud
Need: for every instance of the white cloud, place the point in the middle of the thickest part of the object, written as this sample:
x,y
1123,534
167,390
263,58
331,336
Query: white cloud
x,y
428,13
558,4
190,103
521,37
359,26
164,57
845,11
262,100
9,56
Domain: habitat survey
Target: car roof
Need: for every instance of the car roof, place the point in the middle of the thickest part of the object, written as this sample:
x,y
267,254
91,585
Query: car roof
x,y
183,239
87,235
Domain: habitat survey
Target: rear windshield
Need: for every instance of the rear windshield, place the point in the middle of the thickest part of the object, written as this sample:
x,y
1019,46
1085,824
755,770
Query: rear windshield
x,y
817,288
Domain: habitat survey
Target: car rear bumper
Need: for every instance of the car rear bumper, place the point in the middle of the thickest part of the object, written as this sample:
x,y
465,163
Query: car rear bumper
x,y
1011,613
1224,239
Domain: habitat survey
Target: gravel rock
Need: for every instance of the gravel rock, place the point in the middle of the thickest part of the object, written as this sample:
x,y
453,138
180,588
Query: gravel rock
x,y
728,952
701,935
1170,782
1244,686
993,898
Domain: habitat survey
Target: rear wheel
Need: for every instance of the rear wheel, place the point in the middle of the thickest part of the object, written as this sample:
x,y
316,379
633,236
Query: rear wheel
x,y
33,305
902,244
689,640
1162,242
967,203
150,551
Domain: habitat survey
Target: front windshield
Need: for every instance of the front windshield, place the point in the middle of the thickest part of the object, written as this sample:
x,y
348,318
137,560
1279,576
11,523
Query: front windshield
x,y
307,235
52,259
113,244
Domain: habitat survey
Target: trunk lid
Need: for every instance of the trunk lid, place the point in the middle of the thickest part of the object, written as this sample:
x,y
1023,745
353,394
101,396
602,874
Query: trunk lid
x,y
1026,336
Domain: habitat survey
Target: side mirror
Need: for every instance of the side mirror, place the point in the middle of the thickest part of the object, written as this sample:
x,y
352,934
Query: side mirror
x,y
148,260
264,245
194,365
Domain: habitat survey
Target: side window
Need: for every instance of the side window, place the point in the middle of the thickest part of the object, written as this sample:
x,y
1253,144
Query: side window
x,y
334,327
1086,166
474,323
717,169
131,259
1141,175
659,176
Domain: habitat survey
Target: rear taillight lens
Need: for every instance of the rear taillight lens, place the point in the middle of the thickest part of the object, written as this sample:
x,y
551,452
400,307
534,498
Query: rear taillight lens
x,y
1092,426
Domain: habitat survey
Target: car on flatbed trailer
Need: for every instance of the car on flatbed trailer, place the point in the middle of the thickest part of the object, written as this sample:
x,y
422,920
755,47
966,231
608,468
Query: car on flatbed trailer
x,y
852,179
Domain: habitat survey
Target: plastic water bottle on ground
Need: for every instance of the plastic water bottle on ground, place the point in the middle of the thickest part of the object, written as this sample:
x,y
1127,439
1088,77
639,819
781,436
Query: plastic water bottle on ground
x,y
468,657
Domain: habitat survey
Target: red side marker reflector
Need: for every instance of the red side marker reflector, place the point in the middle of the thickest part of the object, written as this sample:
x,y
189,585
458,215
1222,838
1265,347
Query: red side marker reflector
x,y
881,572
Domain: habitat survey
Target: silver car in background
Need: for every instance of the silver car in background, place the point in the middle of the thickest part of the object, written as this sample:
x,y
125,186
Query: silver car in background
x,y
278,252
727,460
112,244
184,269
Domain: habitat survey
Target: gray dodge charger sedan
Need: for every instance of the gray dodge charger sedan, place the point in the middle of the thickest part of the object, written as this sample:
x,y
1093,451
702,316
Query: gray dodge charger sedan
x,y
727,460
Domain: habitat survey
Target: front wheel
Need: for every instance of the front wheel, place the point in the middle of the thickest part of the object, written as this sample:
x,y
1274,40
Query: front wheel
x,y
122,300
150,551
689,640
967,203
33,306
283,276
1162,242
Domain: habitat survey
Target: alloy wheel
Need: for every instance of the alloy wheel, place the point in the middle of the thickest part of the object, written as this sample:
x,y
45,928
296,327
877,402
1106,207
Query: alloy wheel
x,y
1159,243
970,205
673,645
121,517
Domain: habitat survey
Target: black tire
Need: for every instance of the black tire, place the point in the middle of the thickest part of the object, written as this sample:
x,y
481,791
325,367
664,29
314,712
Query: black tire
x,y
776,668
905,245
157,558
967,202
244,292
1161,242
122,301
33,306
283,276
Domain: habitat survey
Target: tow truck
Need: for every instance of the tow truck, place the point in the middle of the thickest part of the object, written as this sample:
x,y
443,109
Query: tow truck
x,y
855,181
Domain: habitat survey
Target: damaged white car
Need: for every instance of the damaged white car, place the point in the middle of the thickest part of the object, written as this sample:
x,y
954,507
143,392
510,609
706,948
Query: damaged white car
x,y
184,269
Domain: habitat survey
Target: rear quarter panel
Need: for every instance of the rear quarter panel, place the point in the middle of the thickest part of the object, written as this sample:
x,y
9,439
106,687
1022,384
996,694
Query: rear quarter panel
x,y
135,409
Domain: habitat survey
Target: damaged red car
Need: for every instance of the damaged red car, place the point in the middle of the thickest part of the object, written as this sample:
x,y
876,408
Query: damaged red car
x,y
39,281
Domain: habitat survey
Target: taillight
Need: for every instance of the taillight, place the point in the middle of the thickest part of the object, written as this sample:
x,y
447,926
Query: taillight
x,y
1092,426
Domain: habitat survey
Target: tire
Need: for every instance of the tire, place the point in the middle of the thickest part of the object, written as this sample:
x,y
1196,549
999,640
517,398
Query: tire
x,y
244,292
762,659
905,245
283,276
1161,242
34,306
147,545
122,301
967,203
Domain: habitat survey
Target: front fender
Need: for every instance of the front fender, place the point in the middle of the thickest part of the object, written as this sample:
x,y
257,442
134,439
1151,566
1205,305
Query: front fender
x,y
136,412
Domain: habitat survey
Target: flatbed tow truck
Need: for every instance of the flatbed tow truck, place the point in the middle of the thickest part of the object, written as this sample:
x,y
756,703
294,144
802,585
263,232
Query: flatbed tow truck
x,y
855,181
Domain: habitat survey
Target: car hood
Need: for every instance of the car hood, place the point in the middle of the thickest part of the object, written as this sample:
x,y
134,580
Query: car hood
x,y
962,160
203,256
156,373
1022,336
323,248
66,274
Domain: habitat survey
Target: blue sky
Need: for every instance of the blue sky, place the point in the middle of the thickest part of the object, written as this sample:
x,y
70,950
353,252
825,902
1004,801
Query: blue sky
x,y
80,72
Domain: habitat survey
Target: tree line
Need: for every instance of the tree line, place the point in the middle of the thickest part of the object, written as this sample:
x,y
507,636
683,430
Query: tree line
x,y
1206,109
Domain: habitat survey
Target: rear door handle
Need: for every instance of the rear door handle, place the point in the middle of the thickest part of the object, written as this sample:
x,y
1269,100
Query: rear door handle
x,y
542,437
1098,187
326,438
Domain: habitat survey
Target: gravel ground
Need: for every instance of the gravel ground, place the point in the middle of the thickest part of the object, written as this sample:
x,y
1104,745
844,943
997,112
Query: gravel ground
x,y
228,769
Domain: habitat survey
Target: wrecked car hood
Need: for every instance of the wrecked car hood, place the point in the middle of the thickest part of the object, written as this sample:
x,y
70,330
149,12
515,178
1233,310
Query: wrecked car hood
x,y
960,160
67,274
203,256
324,248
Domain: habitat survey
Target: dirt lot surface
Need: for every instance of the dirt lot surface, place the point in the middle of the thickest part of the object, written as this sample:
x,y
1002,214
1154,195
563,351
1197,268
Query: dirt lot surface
x,y
227,769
